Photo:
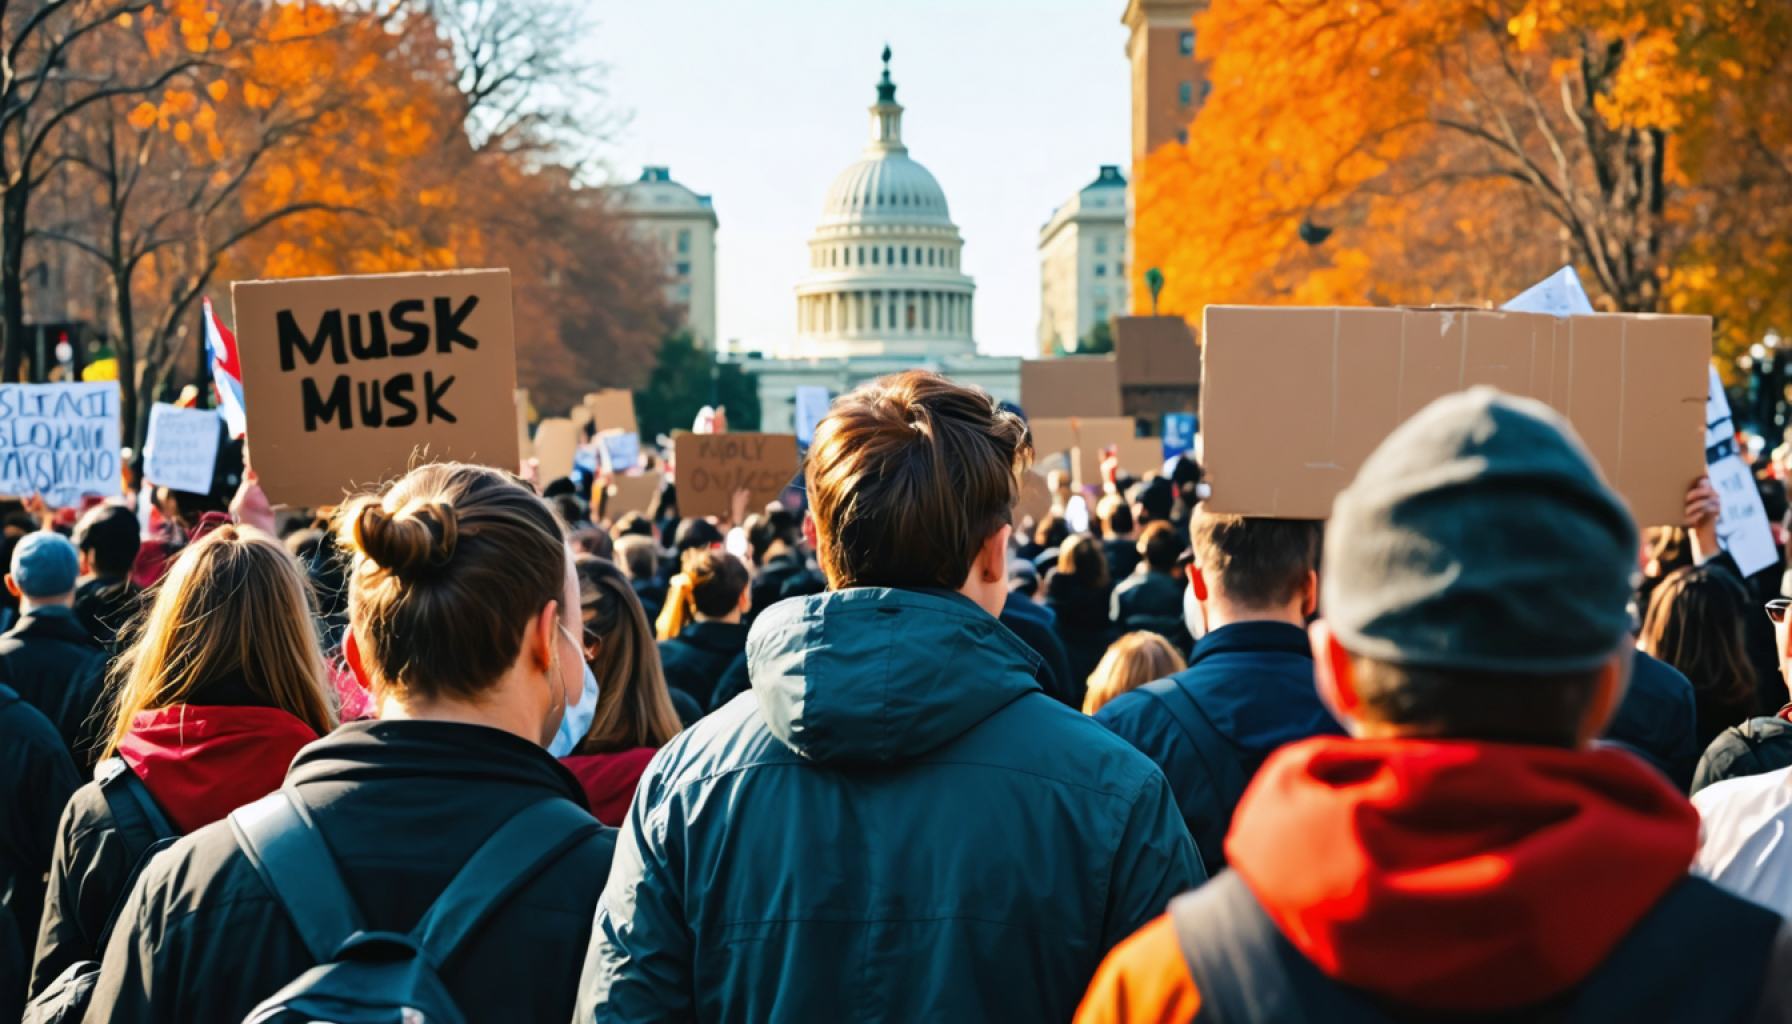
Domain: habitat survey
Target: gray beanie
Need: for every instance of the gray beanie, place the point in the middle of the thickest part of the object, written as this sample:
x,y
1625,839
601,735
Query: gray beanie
x,y
1480,537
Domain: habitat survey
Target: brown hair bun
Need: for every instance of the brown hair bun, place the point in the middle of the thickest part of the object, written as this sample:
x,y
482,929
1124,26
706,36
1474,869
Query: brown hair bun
x,y
419,537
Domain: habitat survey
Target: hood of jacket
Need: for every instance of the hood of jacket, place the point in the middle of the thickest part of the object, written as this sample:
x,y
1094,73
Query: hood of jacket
x,y
53,623
379,751
874,675
201,762
727,639
1458,876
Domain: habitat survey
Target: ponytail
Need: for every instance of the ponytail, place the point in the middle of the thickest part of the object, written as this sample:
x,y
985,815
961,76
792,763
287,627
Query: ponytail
x,y
680,608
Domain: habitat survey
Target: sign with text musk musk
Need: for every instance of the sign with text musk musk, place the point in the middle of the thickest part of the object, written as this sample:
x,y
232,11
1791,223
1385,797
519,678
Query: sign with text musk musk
x,y
351,380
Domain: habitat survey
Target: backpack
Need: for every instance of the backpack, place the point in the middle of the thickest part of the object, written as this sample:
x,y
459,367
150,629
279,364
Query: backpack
x,y
374,977
144,831
1699,956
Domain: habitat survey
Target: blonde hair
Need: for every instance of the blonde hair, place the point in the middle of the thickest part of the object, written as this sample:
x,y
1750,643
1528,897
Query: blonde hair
x,y
1134,660
233,608
634,708
709,585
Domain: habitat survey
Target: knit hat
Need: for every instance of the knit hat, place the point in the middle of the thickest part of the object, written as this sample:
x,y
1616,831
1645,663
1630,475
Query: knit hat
x,y
1480,537
45,564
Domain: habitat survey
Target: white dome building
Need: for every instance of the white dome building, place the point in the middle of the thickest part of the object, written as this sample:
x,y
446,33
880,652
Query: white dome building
x,y
884,277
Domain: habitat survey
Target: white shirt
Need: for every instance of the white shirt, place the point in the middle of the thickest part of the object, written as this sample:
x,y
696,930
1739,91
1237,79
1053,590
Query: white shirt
x,y
1745,837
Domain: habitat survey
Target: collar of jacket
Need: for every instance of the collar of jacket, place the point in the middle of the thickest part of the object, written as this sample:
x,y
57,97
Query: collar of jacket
x,y
376,751
1258,636
52,622
876,675
719,637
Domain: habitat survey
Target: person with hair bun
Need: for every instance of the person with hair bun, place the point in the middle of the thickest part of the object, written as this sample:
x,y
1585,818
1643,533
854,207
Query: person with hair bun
x,y
636,712
701,635
221,685
897,823
464,624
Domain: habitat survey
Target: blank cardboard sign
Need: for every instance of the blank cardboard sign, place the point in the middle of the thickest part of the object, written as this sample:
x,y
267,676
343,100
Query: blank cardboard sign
x,y
348,381
1033,500
1156,351
556,441
1070,386
1294,399
613,409
634,493
711,467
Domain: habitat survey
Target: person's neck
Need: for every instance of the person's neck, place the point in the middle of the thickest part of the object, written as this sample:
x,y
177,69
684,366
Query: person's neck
x,y
1221,612
732,618
505,716
33,605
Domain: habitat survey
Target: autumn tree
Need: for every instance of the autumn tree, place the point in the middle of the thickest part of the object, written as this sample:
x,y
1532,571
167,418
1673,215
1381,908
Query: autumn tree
x,y
1457,150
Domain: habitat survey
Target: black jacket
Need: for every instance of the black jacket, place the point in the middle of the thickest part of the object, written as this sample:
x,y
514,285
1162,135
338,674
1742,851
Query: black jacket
x,y
1123,556
1082,621
50,659
1657,719
696,659
105,606
786,570
1756,747
402,805
1152,601
36,778
1037,628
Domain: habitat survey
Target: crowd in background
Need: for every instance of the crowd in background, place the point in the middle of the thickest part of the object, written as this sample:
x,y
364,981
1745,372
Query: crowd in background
x,y
884,749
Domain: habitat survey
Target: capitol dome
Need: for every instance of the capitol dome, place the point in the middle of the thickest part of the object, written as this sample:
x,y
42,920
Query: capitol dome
x,y
884,277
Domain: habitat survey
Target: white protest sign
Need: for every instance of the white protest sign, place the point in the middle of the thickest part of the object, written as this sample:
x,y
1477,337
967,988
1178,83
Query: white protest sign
x,y
1742,525
181,451
1559,294
620,450
60,441
812,403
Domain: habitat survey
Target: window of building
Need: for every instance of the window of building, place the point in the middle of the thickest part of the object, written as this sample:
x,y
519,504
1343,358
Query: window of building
x,y
931,256
877,313
1101,270
1101,311
1186,42
1182,137
1206,90
905,255
682,268
1185,93
890,255
1101,246
684,241
874,255
861,256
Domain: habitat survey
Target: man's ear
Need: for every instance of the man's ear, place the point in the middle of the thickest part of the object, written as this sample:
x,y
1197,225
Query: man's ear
x,y
992,558
1609,688
13,588
546,631
87,563
746,599
1309,599
809,534
1197,581
351,654
1334,676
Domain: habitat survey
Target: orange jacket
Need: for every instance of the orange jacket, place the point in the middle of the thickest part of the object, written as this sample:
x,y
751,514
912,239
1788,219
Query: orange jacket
x,y
1144,980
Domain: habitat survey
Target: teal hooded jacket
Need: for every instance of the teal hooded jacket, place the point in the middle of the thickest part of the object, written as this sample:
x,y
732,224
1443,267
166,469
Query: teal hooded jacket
x,y
894,824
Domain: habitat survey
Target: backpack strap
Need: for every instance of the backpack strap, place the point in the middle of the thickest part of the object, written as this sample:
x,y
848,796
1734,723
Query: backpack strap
x,y
285,848
531,840
1211,746
1229,946
139,818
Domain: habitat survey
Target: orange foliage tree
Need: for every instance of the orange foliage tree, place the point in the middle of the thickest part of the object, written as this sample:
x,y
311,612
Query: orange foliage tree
x,y
1460,149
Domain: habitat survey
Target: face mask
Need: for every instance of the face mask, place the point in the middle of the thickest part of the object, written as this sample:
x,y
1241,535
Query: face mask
x,y
577,719
1193,616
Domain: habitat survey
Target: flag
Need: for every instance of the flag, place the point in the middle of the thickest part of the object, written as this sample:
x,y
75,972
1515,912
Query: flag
x,y
227,373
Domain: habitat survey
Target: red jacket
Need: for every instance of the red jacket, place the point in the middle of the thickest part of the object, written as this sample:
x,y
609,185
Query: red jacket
x,y
609,780
201,762
1451,877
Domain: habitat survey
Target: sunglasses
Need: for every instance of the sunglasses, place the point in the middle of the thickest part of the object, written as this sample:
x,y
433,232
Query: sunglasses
x,y
1776,610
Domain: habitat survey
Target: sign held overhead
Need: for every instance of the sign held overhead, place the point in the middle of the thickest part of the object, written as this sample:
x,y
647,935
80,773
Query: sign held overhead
x,y
711,467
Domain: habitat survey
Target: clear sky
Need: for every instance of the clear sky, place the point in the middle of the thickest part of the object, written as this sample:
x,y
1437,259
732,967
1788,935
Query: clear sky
x,y
1012,104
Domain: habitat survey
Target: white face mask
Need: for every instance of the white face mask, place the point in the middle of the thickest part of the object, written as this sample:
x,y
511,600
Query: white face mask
x,y
576,722
1193,615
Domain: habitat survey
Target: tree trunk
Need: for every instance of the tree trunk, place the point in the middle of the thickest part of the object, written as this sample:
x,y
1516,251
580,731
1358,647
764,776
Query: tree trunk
x,y
12,282
127,357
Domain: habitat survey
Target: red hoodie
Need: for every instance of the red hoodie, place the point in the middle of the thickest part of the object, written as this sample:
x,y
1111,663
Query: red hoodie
x,y
201,762
1446,876
609,780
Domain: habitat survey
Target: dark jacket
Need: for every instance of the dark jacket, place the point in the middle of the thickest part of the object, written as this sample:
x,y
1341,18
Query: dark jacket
x,y
36,777
652,594
896,825
1150,600
1251,687
50,659
1037,627
696,659
1657,719
782,576
1756,747
106,606
1123,556
1082,620
402,805
198,763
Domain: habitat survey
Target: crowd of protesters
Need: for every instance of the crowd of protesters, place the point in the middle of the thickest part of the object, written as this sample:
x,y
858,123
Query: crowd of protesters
x,y
886,750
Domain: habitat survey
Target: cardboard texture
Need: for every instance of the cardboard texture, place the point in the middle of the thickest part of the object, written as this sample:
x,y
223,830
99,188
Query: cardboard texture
x,y
348,381
1075,444
613,409
525,448
1294,399
580,417
1139,458
556,441
1070,386
60,441
1034,500
1156,351
631,494
711,467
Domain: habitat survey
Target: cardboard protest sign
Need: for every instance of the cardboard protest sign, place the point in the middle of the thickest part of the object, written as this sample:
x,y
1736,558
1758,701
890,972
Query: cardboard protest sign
x,y
181,449
349,380
711,467
1070,386
1179,433
556,441
1094,434
631,493
525,448
1742,525
812,403
60,441
613,409
1294,399
580,417
618,450
1159,364
1034,500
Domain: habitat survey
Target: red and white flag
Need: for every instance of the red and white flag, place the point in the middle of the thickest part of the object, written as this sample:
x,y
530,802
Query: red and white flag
x,y
227,372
